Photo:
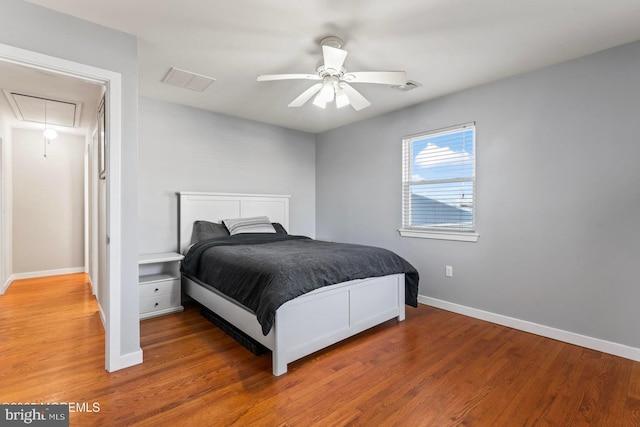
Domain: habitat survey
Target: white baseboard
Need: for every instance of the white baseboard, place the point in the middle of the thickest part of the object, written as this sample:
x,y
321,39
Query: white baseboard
x,y
535,328
35,274
5,286
103,319
93,287
126,360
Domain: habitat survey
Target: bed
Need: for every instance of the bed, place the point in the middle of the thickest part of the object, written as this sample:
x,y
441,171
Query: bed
x,y
300,325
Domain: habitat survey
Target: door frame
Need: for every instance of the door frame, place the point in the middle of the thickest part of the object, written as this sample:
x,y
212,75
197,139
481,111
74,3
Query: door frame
x,y
113,83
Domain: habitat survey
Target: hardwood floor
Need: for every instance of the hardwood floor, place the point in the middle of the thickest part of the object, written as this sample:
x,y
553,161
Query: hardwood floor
x,y
435,369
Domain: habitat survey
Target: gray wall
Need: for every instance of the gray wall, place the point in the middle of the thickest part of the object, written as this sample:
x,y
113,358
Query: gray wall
x,y
48,202
558,200
38,29
187,149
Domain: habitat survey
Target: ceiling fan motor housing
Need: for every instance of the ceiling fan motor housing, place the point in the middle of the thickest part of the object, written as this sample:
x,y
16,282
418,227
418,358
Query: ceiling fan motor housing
x,y
332,41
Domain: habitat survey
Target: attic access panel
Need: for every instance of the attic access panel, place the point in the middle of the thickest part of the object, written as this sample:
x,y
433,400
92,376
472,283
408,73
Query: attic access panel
x,y
31,108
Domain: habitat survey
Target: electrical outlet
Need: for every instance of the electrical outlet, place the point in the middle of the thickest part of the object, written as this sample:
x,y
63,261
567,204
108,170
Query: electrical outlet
x,y
448,270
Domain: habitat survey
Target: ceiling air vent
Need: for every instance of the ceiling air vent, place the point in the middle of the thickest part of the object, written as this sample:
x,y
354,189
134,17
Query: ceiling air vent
x,y
187,80
410,84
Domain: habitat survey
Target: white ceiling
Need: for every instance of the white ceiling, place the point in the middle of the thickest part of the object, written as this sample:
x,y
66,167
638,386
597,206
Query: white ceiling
x,y
446,45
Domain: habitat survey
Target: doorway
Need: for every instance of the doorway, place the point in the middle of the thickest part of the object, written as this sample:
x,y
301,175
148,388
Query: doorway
x,y
111,232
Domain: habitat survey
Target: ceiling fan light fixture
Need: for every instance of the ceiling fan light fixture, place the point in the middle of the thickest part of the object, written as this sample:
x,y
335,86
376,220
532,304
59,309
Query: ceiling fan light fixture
x,y
325,95
327,92
342,100
319,101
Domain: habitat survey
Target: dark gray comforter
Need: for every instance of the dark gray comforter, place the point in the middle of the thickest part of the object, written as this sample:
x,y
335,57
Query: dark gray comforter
x,y
263,271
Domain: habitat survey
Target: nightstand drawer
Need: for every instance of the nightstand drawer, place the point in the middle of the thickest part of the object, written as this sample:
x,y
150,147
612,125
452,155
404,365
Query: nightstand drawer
x,y
164,287
159,302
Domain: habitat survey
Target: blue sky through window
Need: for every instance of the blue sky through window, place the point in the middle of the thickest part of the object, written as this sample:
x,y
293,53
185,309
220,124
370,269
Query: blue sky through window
x,y
446,156
442,179
443,156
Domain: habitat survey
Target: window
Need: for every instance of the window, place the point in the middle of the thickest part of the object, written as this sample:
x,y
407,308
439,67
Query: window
x,y
438,184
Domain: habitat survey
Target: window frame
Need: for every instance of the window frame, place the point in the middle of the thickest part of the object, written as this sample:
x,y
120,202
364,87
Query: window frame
x,y
434,232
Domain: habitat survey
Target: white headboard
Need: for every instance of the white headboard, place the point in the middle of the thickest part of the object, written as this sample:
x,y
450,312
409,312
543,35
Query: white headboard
x,y
215,207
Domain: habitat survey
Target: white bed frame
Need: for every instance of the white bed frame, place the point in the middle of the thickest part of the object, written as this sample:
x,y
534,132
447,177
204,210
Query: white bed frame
x,y
305,324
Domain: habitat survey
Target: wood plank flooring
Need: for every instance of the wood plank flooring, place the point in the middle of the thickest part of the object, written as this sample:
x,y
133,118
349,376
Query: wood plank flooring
x,y
435,369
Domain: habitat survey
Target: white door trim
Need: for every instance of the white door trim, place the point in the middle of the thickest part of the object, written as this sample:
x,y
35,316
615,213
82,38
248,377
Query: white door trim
x,y
114,360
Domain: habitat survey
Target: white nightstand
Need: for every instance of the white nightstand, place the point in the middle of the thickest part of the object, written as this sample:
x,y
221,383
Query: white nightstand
x,y
159,280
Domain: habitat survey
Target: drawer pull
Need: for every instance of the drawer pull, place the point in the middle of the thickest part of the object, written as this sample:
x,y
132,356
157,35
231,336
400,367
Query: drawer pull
x,y
155,305
156,290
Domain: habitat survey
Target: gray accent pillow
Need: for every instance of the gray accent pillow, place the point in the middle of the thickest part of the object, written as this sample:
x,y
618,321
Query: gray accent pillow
x,y
256,224
203,230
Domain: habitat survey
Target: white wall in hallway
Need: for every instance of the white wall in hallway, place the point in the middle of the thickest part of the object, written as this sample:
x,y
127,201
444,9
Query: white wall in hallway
x,y
48,202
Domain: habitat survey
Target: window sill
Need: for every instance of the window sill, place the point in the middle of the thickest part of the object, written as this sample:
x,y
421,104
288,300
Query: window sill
x,y
440,235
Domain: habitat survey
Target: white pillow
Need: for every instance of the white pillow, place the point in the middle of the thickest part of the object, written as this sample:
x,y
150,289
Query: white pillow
x,y
257,224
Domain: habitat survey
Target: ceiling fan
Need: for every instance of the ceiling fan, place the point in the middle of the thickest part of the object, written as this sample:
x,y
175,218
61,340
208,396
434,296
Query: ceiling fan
x,y
335,81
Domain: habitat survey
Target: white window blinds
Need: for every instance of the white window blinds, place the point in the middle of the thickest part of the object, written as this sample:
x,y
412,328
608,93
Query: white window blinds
x,y
438,182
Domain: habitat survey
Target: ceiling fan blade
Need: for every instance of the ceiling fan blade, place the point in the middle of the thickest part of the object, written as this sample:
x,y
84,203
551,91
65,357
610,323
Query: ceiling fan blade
x,y
306,95
269,77
394,78
333,58
356,100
